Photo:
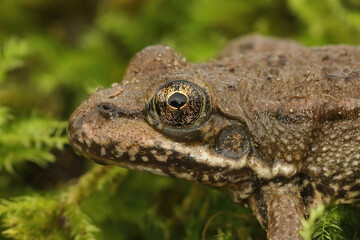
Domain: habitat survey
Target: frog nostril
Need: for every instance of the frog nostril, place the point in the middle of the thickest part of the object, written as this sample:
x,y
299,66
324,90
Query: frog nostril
x,y
106,106
107,109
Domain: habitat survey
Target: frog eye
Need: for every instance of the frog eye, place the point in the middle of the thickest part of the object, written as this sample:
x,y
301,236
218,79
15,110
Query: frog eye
x,y
180,103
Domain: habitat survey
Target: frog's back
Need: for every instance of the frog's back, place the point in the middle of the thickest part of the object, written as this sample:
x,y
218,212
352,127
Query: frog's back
x,y
281,68
313,94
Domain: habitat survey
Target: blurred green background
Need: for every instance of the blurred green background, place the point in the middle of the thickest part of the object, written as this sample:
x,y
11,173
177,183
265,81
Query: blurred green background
x,y
54,53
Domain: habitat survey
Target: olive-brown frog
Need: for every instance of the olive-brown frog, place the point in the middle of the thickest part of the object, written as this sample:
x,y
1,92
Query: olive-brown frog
x,y
275,124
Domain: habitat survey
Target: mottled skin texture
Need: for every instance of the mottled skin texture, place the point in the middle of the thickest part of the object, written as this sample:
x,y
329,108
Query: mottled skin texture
x,y
280,128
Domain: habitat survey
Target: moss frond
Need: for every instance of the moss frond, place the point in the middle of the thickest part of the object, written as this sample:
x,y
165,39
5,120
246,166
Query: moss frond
x,y
336,222
12,51
30,140
29,217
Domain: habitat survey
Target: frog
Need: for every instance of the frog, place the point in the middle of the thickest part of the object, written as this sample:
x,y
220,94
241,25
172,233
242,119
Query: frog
x,y
274,124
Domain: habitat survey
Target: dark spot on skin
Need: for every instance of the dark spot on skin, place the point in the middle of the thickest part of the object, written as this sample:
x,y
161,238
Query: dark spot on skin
x,y
328,74
159,151
332,74
324,188
76,124
75,142
259,197
331,77
83,135
246,47
257,183
340,194
353,76
276,60
111,148
246,174
186,162
325,57
212,179
282,60
274,71
356,187
232,87
346,180
95,148
307,193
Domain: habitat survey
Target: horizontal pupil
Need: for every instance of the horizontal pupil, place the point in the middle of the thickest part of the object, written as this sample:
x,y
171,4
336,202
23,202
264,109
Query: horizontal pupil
x,y
177,100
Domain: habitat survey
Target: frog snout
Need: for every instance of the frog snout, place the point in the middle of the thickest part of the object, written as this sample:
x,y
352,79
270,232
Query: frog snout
x,y
76,133
101,131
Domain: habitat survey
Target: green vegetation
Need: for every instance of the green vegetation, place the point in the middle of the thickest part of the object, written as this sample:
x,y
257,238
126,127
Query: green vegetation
x,y
336,222
54,53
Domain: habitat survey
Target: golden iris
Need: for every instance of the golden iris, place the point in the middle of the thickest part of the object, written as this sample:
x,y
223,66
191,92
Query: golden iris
x,y
179,103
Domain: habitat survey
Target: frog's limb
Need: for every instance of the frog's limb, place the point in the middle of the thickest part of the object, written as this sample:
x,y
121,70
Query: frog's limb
x,y
279,210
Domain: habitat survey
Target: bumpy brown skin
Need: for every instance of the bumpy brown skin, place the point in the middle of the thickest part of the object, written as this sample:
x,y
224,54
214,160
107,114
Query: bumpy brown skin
x,y
279,127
